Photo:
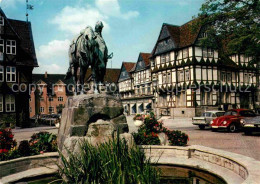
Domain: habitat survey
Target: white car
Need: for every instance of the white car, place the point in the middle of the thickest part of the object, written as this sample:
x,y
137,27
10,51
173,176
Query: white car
x,y
206,117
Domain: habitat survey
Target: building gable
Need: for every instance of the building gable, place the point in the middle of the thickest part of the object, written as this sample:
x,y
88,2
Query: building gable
x,y
165,42
140,65
123,74
60,82
9,30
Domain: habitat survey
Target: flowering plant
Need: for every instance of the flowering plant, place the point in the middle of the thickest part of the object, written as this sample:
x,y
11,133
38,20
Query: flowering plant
x,y
139,117
6,142
147,134
43,142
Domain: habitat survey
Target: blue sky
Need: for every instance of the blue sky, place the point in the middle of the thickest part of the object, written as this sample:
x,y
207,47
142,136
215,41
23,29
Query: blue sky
x,y
131,26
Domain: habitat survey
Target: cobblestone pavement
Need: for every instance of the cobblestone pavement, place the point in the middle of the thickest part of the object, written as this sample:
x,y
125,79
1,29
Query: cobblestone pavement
x,y
26,133
233,142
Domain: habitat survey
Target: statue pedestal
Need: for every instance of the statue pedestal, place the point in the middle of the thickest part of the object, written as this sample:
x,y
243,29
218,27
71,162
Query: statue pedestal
x,y
93,117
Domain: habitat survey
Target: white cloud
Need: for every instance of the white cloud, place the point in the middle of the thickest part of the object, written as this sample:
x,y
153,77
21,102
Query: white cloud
x,y
73,19
10,3
53,57
112,8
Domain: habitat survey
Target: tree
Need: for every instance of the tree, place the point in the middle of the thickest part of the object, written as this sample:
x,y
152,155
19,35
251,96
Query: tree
x,y
233,26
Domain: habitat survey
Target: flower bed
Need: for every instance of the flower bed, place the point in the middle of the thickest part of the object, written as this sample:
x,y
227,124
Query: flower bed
x,y
38,144
147,133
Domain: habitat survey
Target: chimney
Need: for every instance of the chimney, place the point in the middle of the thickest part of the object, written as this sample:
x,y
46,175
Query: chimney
x,y
46,75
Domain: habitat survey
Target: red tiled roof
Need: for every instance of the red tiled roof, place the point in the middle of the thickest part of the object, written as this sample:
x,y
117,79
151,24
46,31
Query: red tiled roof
x,y
146,57
183,35
111,76
187,36
129,66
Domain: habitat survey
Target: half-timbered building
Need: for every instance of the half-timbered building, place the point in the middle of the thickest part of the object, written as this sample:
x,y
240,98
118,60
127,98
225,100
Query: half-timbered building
x,y
135,85
188,79
17,60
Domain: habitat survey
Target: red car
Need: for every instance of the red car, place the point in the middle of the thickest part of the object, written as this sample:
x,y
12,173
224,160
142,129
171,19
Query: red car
x,y
231,120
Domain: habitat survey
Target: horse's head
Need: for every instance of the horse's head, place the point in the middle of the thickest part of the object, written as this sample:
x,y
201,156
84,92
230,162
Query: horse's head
x,y
90,38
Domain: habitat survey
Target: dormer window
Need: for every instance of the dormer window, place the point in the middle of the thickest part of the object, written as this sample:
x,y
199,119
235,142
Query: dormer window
x,y
11,47
2,20
204,35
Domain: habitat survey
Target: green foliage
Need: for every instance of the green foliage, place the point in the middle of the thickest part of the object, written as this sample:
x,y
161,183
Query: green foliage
x,y
40,142
147,133
7,120
43,142
231,25
112,162
24,148
176,137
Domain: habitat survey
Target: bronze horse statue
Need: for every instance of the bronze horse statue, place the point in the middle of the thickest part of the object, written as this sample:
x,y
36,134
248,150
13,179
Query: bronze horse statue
x,y
88,49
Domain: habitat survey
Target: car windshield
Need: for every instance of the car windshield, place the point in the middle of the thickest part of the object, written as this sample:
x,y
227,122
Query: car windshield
x,y
234,113
247,113
206,114
220,114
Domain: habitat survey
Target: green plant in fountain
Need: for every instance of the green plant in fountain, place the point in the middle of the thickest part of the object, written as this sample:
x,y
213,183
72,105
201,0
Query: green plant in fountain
x,y
112,162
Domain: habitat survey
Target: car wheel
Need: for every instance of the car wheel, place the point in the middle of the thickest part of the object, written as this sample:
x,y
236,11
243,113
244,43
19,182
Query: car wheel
x,y
248,132
232,128
202,127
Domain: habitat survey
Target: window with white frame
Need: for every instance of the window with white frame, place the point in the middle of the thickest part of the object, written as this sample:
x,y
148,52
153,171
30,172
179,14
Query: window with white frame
x,y
164,79
1,103
51,109
185,53
229,77
1,73
60,99
2,46
205,52
245,78
60,88
250,79
167,57
2,20
187,75
210,52
223,77
10,74
169,78
10,103
163,59
41,109
11,47
50,99
180,76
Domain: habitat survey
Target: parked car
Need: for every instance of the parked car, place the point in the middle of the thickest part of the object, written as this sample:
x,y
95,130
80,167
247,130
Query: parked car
x,y
231,120
251,124
206,117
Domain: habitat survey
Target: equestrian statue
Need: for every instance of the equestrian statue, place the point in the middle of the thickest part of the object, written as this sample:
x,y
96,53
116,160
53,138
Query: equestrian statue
x,y
88,49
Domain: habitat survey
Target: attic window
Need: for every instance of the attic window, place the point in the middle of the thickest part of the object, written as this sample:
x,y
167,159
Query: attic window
x,y
1,20
204,35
